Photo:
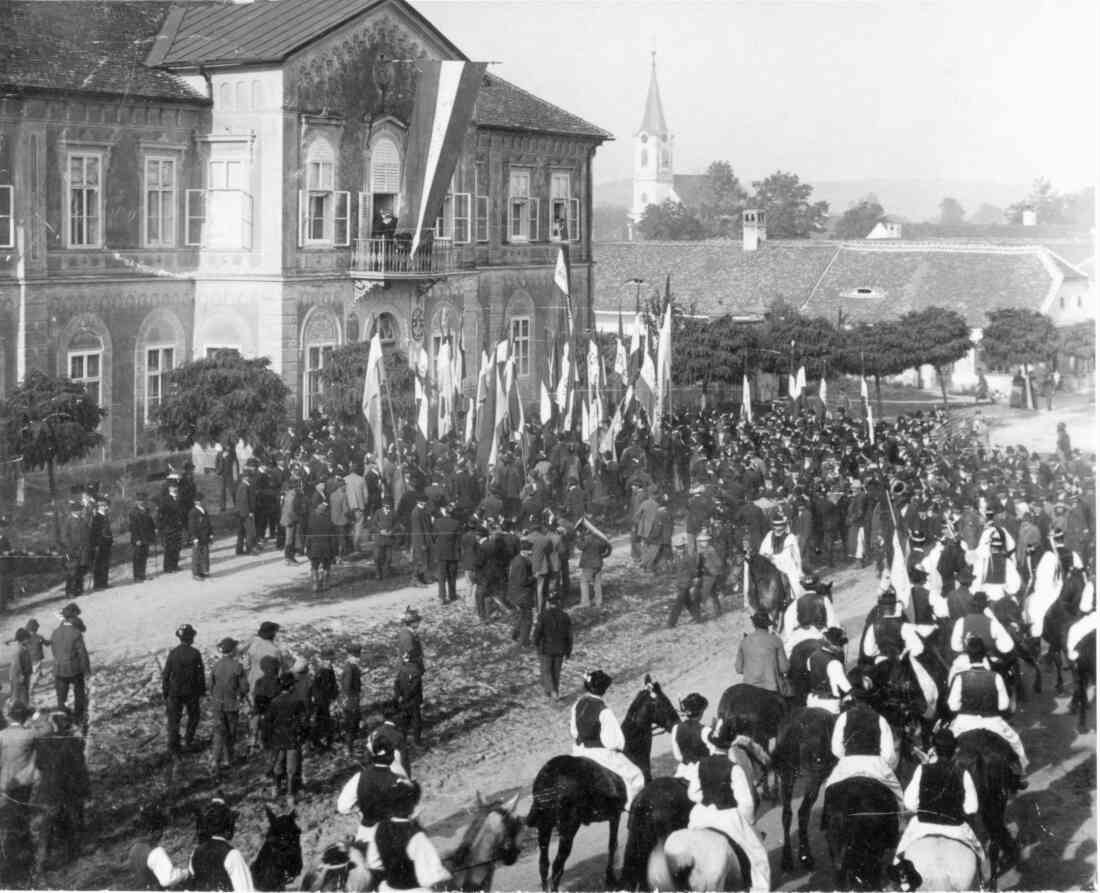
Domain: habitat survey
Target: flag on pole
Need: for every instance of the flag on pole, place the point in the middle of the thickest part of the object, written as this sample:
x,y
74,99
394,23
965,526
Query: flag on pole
x,y
500,414
645,390
899,566
564,387
637,346
443,107
746,398
561,280
444,372
664,368
486,409
866,397
372,393
593,370
800,381
621,366
546,407
824,392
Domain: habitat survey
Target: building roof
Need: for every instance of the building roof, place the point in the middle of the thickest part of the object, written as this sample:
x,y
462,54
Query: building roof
x,y
504,105
217,33
73,45
653,121
865,281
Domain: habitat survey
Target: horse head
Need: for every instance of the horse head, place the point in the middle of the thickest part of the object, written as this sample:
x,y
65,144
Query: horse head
x,y
492,836
280,858
651,707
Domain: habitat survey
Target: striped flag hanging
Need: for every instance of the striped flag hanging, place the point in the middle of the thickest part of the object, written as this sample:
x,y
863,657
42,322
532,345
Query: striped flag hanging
x,y
746,398
446,92
561,280
867,405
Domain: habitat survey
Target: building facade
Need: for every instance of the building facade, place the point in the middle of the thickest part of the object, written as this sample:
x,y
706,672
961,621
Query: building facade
x,y
221,176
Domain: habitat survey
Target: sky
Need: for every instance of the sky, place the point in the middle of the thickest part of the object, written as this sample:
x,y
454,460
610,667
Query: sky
x,y
991,90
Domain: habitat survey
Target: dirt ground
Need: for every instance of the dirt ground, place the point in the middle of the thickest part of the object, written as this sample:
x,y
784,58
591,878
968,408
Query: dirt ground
x,y
489,727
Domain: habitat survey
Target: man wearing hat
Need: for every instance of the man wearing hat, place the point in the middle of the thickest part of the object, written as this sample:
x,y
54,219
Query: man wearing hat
x,y
978,698
143,533
76,543
244,502
941,797
408,640
408,693
284,725
402,854
994,571
521,593
71,666
689,738
351,691
228,688
420,540
101,540
956,601
383,525
215,863
598,736
172,524
183,683
446,532
374,790
980,622
553,639
761,660
700,508
863,744
200,532
781,549
21,670
827,679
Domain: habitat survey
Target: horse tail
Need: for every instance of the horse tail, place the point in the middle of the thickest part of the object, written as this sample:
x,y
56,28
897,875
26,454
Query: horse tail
x,y
544,798
658,872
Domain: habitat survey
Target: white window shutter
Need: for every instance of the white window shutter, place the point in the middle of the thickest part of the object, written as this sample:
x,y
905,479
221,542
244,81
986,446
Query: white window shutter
x,y
302,211
574,219
342,227
366,215
511,218
533,207
195,214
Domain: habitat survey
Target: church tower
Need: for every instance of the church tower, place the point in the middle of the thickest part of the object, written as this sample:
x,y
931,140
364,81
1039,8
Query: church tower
x,y
653,144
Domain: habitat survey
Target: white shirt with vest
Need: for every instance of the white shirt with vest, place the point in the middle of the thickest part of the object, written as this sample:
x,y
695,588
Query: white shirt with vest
x,y
609,754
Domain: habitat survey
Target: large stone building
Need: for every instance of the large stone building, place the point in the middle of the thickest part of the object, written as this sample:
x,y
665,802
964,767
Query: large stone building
x,y
177,179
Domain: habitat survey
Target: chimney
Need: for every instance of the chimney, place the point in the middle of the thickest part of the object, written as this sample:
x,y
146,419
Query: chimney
x,y
1029,217
753,230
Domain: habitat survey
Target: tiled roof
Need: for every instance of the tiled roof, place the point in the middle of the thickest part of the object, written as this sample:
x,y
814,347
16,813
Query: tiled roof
x,y
713,277
993,232
503,104
210,33
867,281
97,47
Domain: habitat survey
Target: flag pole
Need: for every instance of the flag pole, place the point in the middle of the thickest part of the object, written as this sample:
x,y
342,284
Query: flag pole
x,y
393,422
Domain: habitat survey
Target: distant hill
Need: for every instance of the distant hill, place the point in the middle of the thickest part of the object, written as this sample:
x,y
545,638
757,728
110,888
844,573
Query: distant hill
x,y
912,199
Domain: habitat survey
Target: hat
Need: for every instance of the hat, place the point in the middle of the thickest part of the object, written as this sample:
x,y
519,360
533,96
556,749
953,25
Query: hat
x,y
888,598
217,820
836,637
975,647
72,609
228,645
944,740
779,522
186,632
694,704
761,620
1058,536
411,615
268,629
381,749
286,681
979,600
917,537
21,635
597,681
19,712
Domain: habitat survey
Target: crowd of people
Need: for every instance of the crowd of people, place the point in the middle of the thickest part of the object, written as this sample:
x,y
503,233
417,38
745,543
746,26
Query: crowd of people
x,y
810,492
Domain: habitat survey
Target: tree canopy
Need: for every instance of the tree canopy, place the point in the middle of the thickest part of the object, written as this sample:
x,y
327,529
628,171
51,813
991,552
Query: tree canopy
x,y
786,201
1052,206
938,337
1017,337
708,351
721,201
952,212
670,221
342,385
221,399
859,219
787,336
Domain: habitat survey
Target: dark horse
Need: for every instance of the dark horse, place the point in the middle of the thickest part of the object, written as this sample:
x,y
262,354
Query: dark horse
x,y
988,758
1059,617
662,807
572,791
860,818
767,588
1084,673
803,753
280,858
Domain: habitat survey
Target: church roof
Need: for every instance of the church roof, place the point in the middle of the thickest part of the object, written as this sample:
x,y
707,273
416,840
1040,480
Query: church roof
x,y
653,121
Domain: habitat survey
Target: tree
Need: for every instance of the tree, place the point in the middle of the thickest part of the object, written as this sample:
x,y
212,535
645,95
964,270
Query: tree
x,y
221,399
937,337
859,219
710,351
787,340
342,385
1051,206
876,349
50,422
1018,337
786,201
988,214
671,222
952,212
721,201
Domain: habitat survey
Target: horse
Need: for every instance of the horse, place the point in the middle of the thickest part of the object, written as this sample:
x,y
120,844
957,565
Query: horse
x,y
937,863
343,867
799,673
491,837
697,859
860,818
1011,616
572,791
662,807
804,751
767,590
1059,617
988,758
762,711
896,695
280,858
1084,674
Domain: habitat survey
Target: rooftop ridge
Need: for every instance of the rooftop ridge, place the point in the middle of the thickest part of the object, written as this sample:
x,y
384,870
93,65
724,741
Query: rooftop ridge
x,y
496,77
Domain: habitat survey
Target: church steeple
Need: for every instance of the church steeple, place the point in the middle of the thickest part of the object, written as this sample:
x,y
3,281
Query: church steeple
x,y
653,121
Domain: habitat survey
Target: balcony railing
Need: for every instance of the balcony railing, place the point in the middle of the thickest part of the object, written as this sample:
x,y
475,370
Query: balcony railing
x,y
392,256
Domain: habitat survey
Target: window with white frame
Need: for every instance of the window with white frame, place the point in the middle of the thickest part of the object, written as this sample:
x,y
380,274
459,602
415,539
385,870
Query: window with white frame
x,y
85,197
564,209
481,202
160,202
523,208
317,356
324,210
220,216
453,223
7,228
85,367
159,361
521,344
378,207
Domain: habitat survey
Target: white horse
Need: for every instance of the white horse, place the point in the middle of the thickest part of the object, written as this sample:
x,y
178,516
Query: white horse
x,y
944,864
696,859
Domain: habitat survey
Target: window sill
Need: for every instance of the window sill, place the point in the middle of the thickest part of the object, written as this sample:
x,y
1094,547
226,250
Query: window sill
x,y
83,247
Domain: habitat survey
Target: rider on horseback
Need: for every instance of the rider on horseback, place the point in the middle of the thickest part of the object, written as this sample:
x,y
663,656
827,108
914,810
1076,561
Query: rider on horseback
x,y
942,796
374,789
828,681
994,568
1044,585
598,736
864,746
781,549
978,698
980,623
402,852
1085,624
689,738
812,609
215,863
724,803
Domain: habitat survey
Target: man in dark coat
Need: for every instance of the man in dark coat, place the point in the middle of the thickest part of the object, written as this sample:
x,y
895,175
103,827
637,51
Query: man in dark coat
x,y
553,637
71,666
284,725
445,543
172,524
22,669
77,545
420,538
62,788
225,467
200,531
383,525
408,692
228,687
183,682
521,593
101,539
143,532
761,660
245,503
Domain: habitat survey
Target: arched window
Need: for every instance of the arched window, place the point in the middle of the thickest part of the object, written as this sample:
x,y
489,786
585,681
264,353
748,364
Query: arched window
x,y
385,167
645,157
379,211
319,338
388,331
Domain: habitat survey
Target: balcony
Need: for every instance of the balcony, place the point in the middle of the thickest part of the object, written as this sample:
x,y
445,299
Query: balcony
x,y
392,258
